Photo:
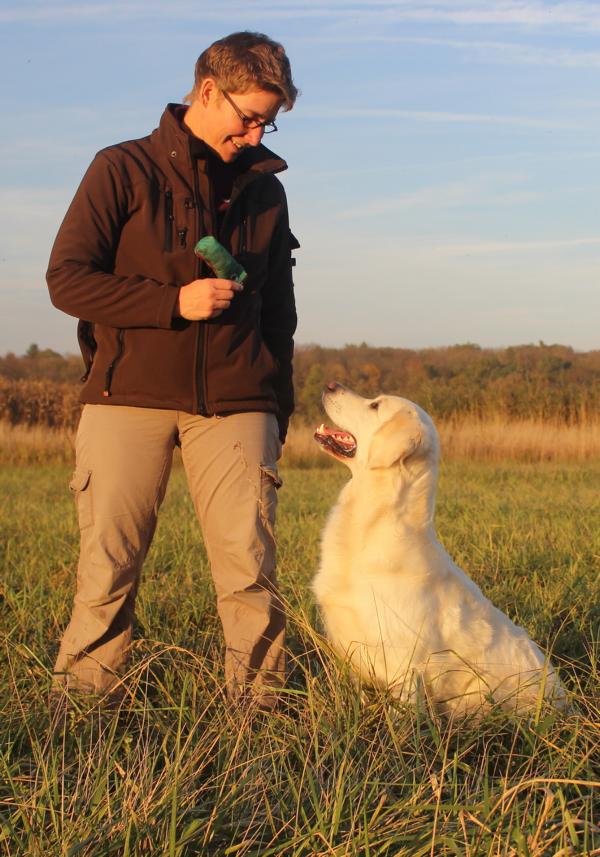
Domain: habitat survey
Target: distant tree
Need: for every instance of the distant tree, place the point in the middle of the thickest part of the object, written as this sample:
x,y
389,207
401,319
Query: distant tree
x,y
310,395
40,364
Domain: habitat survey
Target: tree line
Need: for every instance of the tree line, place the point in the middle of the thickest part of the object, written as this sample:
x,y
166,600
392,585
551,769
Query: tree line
x,y
526,381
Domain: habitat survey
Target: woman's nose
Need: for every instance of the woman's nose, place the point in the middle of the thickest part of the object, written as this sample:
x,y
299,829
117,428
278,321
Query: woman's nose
x,y
254,135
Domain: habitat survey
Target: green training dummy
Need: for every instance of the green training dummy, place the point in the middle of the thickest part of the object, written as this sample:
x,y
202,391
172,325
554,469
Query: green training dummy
x,y
220,260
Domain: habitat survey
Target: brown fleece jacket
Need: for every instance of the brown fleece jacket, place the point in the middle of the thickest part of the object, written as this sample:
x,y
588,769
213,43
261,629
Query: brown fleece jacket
x,y
126,246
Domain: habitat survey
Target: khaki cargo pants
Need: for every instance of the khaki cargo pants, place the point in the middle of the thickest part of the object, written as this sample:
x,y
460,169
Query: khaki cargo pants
x,y
123,464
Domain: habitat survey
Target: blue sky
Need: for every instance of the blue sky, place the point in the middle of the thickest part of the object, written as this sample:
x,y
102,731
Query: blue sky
x,y
443,157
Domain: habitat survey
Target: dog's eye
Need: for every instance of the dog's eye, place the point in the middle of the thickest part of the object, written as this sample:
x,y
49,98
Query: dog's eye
x,y
374,405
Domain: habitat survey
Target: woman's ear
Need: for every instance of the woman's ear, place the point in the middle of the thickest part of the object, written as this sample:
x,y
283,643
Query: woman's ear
x,y
207,89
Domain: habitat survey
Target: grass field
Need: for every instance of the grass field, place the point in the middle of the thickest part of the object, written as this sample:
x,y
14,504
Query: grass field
x,y
176,772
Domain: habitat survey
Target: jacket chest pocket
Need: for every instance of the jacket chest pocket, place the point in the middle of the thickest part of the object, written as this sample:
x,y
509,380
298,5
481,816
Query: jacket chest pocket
x,y
251,255
178,220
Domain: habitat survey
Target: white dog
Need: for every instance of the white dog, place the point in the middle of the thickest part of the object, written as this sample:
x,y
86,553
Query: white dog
x,y
393,602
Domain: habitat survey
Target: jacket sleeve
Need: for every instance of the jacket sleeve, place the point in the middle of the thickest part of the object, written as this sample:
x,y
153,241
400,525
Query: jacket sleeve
x,y
80,274
279,319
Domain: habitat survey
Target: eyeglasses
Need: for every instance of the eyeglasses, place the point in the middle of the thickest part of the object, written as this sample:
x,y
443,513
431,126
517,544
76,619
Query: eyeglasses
x,y
248,122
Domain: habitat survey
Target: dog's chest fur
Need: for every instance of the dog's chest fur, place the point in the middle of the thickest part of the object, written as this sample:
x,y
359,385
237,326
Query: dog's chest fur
x,y
373,584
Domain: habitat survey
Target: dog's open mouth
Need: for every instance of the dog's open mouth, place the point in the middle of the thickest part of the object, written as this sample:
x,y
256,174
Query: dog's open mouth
x,y
336,441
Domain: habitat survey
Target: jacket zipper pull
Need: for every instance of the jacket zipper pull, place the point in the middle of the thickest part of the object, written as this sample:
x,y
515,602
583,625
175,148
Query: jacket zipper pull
x,y
181,235
169,218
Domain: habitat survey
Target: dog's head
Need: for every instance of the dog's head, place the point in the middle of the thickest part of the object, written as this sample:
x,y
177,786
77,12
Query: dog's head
x,y
375,433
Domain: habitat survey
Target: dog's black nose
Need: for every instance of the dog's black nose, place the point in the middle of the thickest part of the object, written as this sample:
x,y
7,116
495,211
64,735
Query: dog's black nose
x,y
332,385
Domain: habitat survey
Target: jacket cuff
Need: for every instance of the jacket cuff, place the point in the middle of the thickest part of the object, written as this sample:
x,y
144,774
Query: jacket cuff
x,y
167,305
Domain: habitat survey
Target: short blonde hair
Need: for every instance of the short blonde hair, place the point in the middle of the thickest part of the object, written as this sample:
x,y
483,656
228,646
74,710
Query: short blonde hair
x,y
244,61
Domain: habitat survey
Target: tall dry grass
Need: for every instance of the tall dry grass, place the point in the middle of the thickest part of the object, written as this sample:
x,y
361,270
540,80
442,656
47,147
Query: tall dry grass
x,y
523,440
483,439
22,444
494,439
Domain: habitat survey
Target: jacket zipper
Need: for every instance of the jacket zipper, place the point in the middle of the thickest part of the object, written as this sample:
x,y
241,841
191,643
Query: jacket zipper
x,y
111,366
189,205
169,217
243,237
200,344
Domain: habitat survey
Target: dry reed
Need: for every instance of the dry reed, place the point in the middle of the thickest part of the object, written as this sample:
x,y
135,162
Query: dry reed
x,y
492,439
22,444
523,440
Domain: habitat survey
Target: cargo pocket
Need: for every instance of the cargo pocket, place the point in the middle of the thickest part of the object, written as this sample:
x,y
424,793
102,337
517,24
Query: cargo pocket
x,y
270,475
80,486
270,482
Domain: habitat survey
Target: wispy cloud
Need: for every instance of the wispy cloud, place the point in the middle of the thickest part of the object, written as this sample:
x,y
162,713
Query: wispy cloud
x,y
506,53
545,14
516,13
480,248
450,195
456,249
523,54
70,132
538,13
151,10
438,116
489,191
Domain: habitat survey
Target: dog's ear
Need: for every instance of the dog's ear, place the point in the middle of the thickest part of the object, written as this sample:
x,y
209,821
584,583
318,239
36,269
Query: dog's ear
x,y
396,439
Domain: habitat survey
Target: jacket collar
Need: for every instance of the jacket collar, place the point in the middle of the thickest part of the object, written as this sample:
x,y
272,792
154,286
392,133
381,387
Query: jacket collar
x,y
174,140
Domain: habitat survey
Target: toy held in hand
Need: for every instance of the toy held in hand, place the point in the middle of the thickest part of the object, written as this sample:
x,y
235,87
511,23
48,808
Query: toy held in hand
x,y
220,260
